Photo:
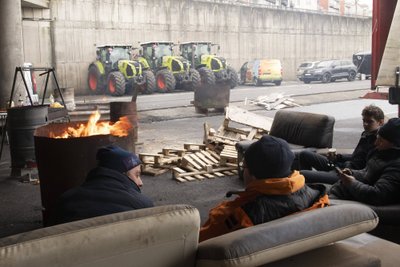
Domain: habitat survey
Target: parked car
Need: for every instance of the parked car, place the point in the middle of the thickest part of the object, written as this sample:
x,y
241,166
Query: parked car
x,y
261,71
363,62
330,71
305,66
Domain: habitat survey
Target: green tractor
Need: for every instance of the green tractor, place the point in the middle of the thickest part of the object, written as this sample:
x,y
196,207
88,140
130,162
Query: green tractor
x,y
116,74
213,69
171,71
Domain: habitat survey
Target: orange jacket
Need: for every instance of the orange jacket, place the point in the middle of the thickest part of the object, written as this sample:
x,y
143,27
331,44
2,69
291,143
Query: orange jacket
x,y
229,216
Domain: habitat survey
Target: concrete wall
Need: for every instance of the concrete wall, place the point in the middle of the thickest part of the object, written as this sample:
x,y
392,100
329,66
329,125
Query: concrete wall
x,y
243,32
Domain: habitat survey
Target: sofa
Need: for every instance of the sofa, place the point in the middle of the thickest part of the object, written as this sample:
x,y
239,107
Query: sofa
x,y
167,236
299,130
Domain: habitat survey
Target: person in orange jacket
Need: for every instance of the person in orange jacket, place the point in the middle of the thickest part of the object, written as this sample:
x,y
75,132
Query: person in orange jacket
x,y
272,191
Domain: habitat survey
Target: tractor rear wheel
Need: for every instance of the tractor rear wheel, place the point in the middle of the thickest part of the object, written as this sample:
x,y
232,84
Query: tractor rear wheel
x,y
95,80
196,80
116,84
149,85
207,76
233,77
165,81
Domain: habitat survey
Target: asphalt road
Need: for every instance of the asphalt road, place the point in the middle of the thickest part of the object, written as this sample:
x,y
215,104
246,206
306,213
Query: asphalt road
x,y
20,205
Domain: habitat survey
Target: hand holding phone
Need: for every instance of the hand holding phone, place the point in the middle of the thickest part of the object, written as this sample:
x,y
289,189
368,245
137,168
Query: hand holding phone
x,y
338,170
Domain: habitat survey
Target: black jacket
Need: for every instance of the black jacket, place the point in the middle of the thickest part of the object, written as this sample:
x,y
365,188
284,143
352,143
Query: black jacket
x,y
105,191
377,184
266,208
358,159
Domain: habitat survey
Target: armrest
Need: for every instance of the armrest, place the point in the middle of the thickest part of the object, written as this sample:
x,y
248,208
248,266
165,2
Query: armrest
x,y
291,235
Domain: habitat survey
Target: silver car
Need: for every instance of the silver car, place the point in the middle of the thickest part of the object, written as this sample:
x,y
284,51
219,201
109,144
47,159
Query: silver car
x,y
305,66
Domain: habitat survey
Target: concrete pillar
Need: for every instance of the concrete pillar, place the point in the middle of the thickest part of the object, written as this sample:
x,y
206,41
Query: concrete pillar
x,y
11,50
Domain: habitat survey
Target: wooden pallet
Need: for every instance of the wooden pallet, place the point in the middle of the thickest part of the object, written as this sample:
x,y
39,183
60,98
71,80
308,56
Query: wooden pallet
x,y
183,175
194,162
228,155
204,164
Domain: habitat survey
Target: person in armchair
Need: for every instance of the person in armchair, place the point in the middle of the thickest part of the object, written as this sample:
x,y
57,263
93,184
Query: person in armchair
x,y
379,182
272,191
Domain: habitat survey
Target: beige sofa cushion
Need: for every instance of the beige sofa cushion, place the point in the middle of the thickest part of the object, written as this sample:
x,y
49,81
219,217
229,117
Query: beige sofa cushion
x,y
287,236
161,236
332,255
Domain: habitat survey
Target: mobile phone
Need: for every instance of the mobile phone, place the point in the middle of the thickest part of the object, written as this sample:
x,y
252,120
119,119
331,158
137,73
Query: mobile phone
x,y
338,170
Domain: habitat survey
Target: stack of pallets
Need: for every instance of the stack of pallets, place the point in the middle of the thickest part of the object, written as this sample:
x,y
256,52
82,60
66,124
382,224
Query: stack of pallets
x,y
194,162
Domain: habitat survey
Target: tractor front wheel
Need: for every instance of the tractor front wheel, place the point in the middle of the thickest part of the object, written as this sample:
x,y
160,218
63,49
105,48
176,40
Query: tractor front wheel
x,y
149,85
234,79
207,76
165,81
196,80
116,84
95,80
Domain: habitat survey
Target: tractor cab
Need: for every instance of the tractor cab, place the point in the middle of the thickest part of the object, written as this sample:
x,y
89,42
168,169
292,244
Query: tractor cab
x,y
194,51
154,52
110,54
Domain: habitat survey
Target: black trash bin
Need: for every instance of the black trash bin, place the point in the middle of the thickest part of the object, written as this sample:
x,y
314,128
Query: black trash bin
x,y
212,96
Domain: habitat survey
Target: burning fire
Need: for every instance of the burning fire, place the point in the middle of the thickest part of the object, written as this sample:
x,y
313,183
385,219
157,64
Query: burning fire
x,y
93,127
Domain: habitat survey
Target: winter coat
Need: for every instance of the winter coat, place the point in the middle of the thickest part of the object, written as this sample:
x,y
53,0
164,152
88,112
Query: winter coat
x,y
262,201
377,184
358,159
105,191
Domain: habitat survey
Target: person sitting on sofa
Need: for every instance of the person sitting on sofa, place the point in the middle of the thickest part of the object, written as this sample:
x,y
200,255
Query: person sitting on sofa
x,y
319,168
379,182
113,186
272,191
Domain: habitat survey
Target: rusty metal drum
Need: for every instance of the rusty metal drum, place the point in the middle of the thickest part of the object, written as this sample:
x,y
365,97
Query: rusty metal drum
x,y
21,124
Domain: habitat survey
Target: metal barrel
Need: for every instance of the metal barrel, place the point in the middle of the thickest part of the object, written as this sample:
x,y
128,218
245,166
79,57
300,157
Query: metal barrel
x,y
128,109
21,124
64,163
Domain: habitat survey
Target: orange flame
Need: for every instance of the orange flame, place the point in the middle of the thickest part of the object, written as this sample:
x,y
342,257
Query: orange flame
x,y
93,127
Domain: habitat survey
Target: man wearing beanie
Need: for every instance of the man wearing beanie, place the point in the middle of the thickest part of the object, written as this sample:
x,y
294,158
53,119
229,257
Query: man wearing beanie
x,y
113,186
379,182
272,191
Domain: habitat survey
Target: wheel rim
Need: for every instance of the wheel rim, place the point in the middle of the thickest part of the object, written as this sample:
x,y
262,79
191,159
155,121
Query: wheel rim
x,y
92,82
161,82
111,86
326,78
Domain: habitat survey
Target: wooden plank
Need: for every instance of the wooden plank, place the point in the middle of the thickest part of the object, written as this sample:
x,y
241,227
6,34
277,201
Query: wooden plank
x,y
248,118
199,161
215,155
209,175
173,151
219,174
146,169
188,160
252,133
209,156
204,158
193,147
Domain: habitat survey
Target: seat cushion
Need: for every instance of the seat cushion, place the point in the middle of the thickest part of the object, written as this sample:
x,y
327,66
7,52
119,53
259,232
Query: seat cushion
x,y
291,235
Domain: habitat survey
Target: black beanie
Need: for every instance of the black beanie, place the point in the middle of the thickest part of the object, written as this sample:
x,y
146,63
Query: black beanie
x,y
269,157
116,158
391,131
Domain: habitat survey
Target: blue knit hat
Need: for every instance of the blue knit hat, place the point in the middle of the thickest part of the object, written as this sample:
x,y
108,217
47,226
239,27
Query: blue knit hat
x,y
269,157
116,158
